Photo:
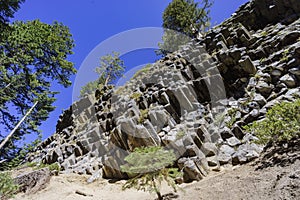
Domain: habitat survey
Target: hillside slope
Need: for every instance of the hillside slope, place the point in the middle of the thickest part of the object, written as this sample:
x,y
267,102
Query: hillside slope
x,y
194,101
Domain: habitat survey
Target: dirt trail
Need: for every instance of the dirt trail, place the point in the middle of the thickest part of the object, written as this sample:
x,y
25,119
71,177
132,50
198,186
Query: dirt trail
x,y
242,182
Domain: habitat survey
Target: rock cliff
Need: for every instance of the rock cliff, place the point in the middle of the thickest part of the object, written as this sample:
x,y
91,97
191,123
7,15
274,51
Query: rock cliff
x,y
194,101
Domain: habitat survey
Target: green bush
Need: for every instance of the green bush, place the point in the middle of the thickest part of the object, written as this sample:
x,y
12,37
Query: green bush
x,y
180,134
7,186
145,69
143,116
136,96
282,122
51,167
148,168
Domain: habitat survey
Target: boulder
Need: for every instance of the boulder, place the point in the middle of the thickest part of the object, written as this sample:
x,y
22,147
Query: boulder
x,y
32,182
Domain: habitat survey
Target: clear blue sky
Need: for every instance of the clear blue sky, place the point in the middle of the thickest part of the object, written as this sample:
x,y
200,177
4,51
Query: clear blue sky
x,y
93,21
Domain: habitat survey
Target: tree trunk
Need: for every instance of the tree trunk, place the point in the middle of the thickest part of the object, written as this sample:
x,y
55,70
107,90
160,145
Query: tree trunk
x,y
159,196
17,126
106,80
157,190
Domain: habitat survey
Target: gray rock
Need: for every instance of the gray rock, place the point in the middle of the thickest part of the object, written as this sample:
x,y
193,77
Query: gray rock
x,y
289,80
295,71
246,153
213,161
259,99
237,131
276,73
225,153
34,181
209,149
193,169
158,118
253,115
233,141
226,133
247,65
264,88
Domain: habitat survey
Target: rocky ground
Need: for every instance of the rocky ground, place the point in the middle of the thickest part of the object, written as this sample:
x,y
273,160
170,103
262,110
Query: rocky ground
x,y
275,175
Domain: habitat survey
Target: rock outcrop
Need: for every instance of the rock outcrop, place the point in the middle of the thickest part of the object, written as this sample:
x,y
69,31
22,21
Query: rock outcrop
x,y
194,101
33,181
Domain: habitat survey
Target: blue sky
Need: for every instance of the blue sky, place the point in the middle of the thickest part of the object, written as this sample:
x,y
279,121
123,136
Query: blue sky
x,y
93,21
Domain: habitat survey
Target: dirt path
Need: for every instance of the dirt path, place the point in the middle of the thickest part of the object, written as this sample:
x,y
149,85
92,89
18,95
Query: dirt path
x,y
243,182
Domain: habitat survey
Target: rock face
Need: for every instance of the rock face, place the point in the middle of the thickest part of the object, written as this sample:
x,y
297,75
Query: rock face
x,y
194,101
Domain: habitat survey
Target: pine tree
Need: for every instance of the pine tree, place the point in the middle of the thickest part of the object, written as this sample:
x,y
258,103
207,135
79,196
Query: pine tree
x,y
8,8
111,68
32,56
148,168
182,21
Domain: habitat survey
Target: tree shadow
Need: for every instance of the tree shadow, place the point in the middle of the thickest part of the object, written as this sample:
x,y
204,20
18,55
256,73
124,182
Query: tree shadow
x,y
169,196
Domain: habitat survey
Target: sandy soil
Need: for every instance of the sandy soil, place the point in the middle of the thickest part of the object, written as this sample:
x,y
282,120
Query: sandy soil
x,y
275,175
242,182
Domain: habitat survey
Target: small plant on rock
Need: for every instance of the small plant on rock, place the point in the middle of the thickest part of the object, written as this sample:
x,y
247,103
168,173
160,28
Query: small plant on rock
x,y
148,168
264,33
284,57
180,134
282,122
136,96
232,113
143,116
145,69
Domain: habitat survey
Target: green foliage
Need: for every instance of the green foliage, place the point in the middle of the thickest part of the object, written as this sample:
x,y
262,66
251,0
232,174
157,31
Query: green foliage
x,y
262,60
7,186
185,16
148,168
141,71
232,114
111,68
33,55
20,156
51,167
143,116
182,21
136,95
180,134
282,122
8,8
284,57
90,88
264,33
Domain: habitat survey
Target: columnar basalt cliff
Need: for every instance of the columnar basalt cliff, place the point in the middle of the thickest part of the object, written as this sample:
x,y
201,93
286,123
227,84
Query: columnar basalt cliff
x,y
194,101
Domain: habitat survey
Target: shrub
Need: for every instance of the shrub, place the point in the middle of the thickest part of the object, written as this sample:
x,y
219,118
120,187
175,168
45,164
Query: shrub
x,y
148,168
145,69
143,116
136,96
7,186
282,122
51,167
180,134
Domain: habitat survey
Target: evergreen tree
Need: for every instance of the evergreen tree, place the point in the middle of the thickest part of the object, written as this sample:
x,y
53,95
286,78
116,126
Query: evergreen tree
x,y
182,21
8,8
148,168
32,56
111,68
